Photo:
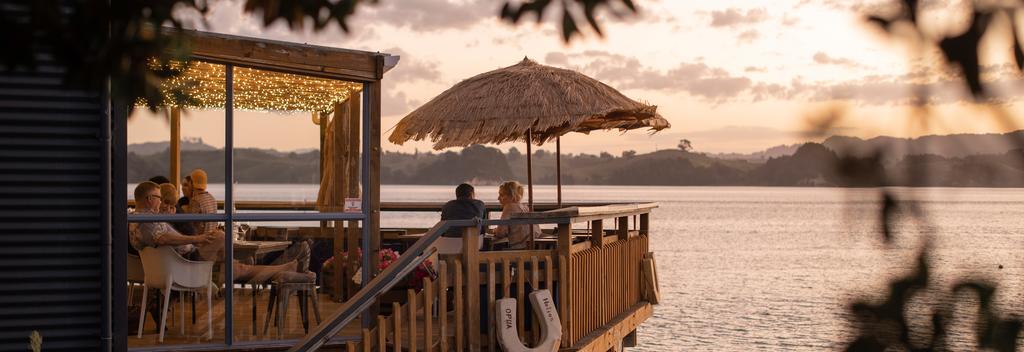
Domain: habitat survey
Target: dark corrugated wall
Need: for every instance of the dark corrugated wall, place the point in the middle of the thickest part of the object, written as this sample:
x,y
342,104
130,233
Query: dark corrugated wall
x,y
51,227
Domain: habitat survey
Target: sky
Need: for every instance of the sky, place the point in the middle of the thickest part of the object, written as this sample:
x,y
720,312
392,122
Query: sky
x,y
729,75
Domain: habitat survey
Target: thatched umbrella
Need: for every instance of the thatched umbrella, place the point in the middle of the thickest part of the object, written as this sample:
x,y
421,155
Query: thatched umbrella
x,y
525,102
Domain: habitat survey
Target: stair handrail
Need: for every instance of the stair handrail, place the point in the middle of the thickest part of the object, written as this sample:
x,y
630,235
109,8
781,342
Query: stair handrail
x,y
364,298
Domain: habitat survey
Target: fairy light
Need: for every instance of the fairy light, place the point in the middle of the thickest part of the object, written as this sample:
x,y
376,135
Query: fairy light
x,y
256,90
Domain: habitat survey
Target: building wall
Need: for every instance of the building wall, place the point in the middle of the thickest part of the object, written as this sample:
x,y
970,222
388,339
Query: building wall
x,y
52,218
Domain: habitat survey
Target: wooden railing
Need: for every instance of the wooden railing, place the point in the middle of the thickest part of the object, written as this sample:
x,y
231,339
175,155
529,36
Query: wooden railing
x,y
514,274
426,322
596,276
416,324
604,283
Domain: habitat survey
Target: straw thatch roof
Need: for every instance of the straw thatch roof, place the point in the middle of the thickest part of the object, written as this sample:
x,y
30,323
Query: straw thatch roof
x,y
502,105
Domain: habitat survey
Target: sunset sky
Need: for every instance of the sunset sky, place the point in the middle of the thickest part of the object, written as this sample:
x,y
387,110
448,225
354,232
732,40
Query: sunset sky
x,y
731,76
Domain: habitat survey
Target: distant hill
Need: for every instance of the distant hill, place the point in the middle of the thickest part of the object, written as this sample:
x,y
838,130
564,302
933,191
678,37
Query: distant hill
x,y
950,146
761,156
954,161
150,148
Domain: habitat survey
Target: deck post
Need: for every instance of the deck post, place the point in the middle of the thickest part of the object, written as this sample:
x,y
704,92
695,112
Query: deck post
x,y
470,256
645,221
597,233
340,162
623,230
352,170
174,174
370,170
564,253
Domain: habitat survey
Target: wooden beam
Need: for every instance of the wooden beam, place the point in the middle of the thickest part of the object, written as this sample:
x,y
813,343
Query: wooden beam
x,y
174,174
285,56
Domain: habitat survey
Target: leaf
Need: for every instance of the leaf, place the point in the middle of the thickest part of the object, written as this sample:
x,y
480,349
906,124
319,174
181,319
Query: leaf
x,y
1018,53
882,22
568,26
911,10
962,51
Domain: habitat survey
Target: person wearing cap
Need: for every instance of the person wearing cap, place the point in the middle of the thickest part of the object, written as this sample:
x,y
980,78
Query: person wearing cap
x,y
201,202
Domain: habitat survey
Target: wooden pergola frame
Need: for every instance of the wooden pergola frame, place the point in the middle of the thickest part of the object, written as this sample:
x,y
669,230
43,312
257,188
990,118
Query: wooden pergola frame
x,y
363,67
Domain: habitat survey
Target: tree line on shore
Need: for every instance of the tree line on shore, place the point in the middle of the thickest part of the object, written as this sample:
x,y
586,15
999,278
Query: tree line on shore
x,y
812,164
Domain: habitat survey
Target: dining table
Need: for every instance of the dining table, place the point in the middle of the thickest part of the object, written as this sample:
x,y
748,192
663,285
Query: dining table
x,y
249,251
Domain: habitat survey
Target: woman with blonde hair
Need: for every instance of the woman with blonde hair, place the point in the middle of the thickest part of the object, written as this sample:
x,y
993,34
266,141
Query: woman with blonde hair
x,y
510,195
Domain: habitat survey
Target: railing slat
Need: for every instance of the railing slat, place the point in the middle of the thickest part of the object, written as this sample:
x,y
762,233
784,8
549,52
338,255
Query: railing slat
x,y
442,302
521,297
412,318
428,315
382,334
490,305
396,313
366,340
460,328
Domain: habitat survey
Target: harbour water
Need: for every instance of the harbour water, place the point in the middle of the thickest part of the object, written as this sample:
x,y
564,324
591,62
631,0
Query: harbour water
x,y
752,268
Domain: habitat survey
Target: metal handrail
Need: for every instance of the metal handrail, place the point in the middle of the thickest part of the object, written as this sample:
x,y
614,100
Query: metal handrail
x,y
383,282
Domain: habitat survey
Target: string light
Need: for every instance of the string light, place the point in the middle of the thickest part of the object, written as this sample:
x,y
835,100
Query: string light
x,y
256,90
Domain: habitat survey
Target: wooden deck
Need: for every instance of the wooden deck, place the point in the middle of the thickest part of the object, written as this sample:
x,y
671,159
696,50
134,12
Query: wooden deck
x,y
243,322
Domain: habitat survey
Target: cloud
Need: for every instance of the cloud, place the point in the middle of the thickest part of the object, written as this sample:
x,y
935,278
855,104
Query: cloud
x,y
755,69
411,68
429,15
556,59
748,36
789,21
394,102
697,79
879,7
734,17
824,59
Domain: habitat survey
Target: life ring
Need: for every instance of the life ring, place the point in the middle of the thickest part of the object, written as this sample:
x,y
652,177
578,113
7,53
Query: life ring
x,y
550,326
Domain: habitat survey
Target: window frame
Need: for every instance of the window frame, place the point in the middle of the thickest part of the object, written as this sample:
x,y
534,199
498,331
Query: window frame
x,y
229,215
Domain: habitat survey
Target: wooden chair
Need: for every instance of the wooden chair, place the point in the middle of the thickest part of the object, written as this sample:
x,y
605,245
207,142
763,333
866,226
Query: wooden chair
x,y
278,303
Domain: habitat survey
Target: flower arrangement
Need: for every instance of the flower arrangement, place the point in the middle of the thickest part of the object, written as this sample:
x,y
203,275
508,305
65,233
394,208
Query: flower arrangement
x,y
386,256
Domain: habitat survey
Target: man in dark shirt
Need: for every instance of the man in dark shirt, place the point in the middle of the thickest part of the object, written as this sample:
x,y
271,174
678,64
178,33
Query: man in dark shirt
x,y
463,207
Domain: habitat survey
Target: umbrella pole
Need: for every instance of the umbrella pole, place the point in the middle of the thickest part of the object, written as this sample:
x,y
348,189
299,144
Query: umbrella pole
x,y
529,166
558,168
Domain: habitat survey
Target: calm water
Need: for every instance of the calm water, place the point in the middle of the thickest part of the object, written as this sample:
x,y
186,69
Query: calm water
x,y
746,268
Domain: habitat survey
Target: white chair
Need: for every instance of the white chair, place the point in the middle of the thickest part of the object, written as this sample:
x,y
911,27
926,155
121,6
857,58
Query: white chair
x,y
167,271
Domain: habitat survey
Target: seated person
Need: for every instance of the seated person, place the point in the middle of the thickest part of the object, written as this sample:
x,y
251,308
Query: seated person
x,y
186,194
201,202
510,195
465,206
169,198
209,246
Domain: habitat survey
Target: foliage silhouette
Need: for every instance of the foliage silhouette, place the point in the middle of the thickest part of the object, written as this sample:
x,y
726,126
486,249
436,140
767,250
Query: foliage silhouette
x,y
884,326
126,42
